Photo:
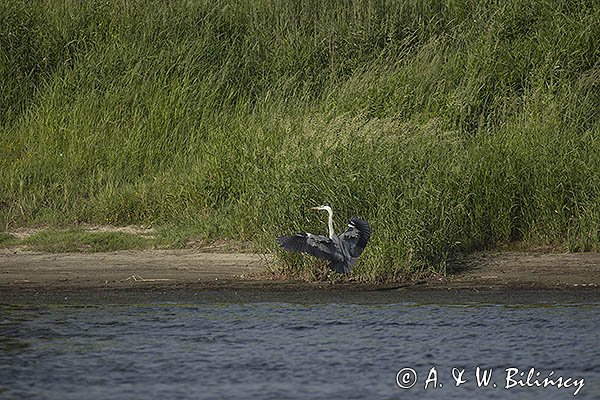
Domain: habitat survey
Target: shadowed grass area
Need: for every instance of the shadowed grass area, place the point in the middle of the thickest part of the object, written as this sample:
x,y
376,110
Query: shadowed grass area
x,y
100,239
451,126
73,240
6,238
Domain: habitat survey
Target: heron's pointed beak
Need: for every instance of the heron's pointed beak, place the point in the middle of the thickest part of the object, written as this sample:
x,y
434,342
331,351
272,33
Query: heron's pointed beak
x,y
315,208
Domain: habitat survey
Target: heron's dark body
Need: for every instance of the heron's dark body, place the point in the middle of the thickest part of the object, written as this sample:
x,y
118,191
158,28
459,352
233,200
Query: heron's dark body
x,y
342,251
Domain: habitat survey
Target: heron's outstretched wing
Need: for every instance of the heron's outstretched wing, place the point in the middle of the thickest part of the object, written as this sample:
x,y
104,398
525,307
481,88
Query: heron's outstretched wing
x,y
356,237
318,246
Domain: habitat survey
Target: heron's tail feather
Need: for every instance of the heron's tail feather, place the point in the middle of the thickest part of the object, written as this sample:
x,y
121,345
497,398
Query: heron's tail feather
x,y
343,267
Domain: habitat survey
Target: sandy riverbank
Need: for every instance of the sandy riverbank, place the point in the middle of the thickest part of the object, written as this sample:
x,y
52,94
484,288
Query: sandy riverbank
x,y
167,270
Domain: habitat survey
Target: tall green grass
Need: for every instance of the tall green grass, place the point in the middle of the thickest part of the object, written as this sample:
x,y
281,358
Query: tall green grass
x,y
450,125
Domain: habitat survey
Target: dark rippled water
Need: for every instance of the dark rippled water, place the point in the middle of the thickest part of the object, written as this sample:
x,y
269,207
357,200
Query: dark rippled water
x,y
278,350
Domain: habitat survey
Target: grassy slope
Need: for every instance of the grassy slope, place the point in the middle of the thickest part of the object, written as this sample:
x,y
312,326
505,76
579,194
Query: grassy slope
x,y
450,125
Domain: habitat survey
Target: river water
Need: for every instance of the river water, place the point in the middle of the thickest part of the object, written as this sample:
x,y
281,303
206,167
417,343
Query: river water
x,y
193,347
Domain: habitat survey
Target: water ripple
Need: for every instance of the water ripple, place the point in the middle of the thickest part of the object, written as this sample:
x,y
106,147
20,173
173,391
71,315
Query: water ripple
x,y
279,350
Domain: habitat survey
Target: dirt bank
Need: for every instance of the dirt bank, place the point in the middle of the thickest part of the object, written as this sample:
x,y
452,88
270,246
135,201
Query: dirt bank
x,y
526,270
125,268
164,270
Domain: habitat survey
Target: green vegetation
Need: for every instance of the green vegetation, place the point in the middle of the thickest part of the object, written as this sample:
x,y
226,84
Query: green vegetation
x,y
99,239
61,241
6,238
451,125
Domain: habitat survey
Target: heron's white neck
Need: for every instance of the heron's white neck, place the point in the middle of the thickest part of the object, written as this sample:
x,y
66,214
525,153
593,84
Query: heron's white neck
x,y
330,222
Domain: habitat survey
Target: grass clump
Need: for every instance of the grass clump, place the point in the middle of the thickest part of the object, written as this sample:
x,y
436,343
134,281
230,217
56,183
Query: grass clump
x,y
450,126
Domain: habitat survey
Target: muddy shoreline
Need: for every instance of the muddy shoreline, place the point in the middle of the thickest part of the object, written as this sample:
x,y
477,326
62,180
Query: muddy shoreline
x,y
152,274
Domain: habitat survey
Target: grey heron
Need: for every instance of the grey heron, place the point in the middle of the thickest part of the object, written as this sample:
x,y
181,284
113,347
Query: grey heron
x,y
342,251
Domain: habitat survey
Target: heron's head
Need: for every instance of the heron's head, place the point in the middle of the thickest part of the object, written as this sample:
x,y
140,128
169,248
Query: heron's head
x,y
325,208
